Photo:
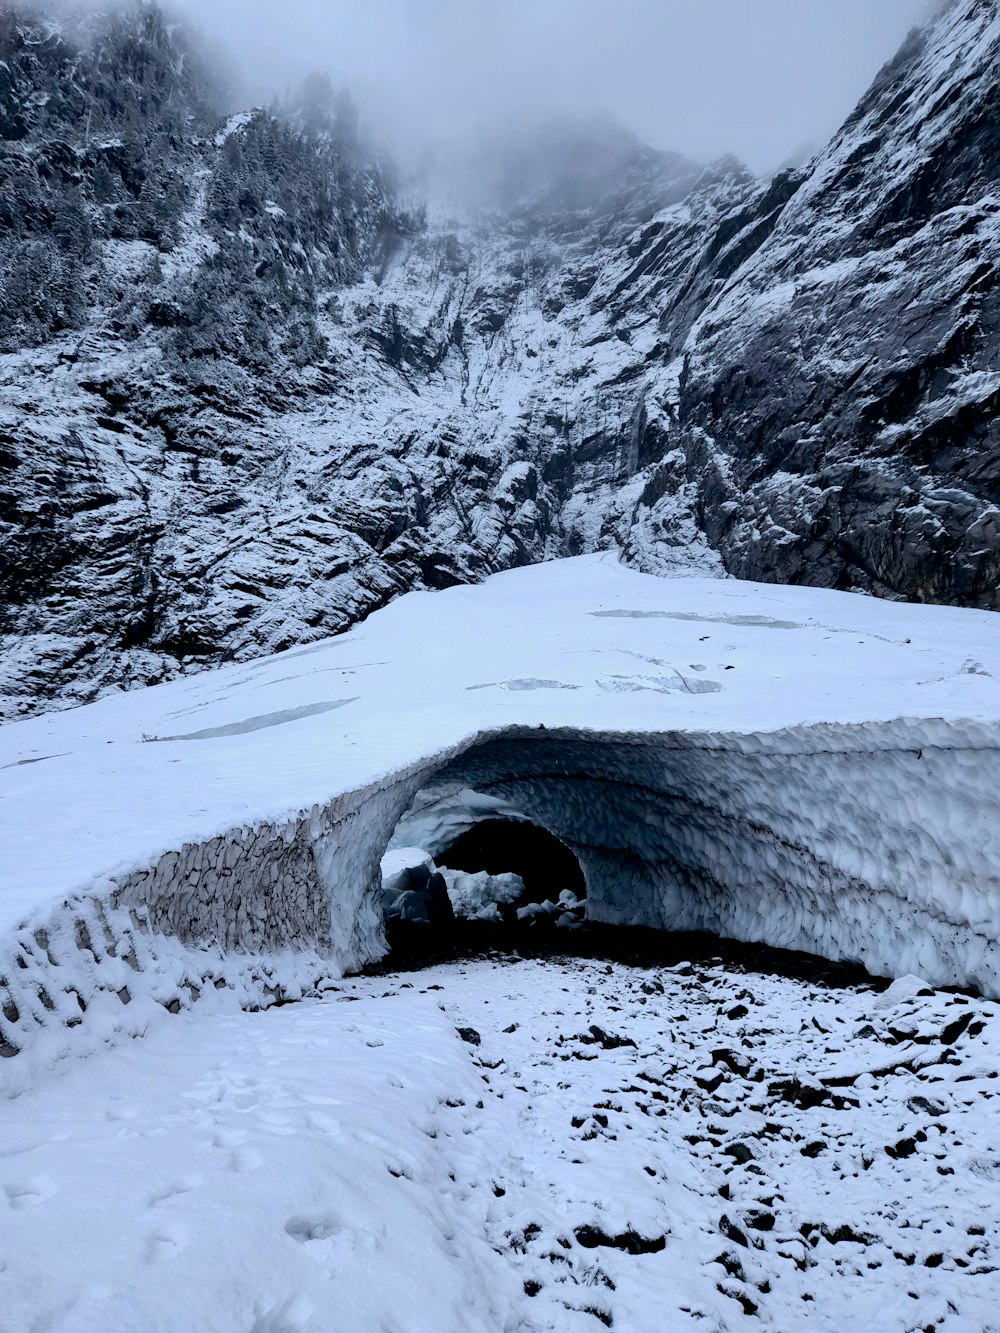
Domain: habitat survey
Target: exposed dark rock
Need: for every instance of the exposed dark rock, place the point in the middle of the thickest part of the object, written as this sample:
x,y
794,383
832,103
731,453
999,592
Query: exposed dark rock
x,y
903,1148
839,399
739,1152
814,1148
609,1041
629,1241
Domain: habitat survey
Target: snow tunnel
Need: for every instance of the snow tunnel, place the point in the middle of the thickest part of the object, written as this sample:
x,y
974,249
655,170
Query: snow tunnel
x,y
498,864
876,844
840,841
872,843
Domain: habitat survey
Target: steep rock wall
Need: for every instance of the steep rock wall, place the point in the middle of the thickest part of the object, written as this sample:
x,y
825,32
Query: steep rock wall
x,y
839,397
793,380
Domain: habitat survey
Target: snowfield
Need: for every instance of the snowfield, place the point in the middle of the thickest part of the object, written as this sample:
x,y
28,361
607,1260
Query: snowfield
x,y
811,769
519,1146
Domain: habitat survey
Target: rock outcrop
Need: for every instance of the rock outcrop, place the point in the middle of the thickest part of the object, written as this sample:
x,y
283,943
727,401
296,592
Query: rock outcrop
x,y
839,399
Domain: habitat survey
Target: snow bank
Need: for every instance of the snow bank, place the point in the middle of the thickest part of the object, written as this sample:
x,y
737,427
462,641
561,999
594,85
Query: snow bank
x,y
802,767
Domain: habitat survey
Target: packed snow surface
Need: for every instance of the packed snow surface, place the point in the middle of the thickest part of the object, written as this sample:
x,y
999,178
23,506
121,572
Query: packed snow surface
x,y
583,643
517,1147
809,768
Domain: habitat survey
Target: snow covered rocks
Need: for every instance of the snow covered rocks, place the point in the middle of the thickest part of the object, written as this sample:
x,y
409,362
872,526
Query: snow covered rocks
x,y
458,1151
810,769
417,893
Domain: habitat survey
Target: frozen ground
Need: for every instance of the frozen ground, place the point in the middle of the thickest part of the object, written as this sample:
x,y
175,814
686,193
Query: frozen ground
x,y
505,1145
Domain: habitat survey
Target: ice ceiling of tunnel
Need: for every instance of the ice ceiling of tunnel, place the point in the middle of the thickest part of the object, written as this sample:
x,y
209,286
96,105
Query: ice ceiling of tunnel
x,y
863,734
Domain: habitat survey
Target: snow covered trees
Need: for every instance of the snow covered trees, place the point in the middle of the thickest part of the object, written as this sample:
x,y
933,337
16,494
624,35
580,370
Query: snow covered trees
x,y
117,133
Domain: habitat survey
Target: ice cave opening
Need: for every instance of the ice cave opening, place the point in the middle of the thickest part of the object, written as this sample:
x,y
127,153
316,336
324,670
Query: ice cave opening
x,y
494,864
837,842
871,844
545,865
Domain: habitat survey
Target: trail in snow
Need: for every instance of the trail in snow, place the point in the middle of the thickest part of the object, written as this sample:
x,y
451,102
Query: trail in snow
x,y
512,1145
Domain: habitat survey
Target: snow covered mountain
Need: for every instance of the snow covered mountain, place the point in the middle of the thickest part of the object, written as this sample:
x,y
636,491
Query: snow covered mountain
x,y
840,396
261,398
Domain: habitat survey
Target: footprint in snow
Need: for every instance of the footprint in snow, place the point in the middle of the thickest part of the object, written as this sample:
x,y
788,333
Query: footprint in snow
x,y
240,1158
321,1226
164,1244
29,1193
324,1124
126,1112
290,1316
243,1098
175,1190
246,1159
10,1149
277,1122
229,1138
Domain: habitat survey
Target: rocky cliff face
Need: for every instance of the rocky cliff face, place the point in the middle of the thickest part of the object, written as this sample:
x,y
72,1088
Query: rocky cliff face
x,y
278,399
839,398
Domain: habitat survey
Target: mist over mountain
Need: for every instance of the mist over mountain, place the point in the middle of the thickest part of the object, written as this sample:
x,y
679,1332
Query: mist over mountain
x,y
704,79
251,388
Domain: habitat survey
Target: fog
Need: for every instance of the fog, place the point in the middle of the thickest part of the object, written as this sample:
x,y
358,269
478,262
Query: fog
x,y
761,78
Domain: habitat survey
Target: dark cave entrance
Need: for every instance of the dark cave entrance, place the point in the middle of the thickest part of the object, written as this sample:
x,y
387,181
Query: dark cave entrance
x,y
553,899
497,846
590,828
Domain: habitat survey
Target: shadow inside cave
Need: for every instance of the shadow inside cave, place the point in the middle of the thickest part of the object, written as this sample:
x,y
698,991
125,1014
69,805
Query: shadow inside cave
x,y
804,845
506,846
411,949
547,866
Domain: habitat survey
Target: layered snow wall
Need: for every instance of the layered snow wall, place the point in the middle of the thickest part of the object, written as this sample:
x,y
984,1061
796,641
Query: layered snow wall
x,y
873,838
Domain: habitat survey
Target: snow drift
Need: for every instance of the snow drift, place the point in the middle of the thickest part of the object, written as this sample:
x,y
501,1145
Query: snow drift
x,y
802,767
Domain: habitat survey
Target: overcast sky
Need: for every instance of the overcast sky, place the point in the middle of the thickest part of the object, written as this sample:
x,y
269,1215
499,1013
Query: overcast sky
x,y
756,77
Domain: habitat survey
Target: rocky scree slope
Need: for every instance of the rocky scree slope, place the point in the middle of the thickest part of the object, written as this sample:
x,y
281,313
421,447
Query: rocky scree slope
x,y
273,398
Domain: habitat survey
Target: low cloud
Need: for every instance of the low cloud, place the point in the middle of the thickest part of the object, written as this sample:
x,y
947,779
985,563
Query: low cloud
x,y
760,78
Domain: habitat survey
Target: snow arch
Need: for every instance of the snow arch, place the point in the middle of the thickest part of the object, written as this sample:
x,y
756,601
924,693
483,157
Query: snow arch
x,y
874,843
220,838
868,843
